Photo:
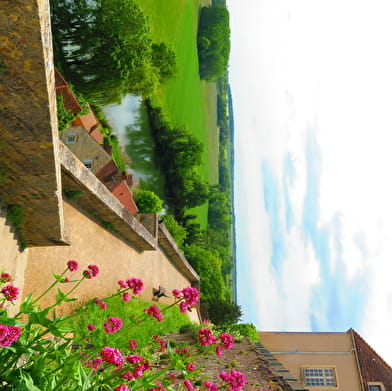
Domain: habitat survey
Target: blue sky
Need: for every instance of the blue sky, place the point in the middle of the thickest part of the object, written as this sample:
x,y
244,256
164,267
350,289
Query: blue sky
x,y
312,93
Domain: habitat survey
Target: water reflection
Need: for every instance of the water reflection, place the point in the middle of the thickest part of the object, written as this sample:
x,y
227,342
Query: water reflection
x,y
130,123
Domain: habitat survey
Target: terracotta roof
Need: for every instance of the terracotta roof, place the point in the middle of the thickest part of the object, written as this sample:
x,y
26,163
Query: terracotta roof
x,y
62,88
121,191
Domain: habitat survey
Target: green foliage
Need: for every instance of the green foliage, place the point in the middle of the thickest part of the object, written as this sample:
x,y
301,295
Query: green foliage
x,y
179,154
164,59
222,312
177,231
64,116
72,194
213,41
147,201
208,265
106,47
15,215
174,320
240,330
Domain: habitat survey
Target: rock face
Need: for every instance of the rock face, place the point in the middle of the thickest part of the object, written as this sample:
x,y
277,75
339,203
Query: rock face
x,y
243,357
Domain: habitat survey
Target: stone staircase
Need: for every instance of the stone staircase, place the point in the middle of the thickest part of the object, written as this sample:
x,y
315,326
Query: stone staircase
x,y
277,367
244,357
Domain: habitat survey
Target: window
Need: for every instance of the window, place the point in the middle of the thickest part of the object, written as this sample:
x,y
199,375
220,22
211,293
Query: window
x,y
376,386
70,138
320,377
88,163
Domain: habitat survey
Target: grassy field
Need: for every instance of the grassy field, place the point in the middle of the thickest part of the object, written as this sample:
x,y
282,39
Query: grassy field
x,y
185,99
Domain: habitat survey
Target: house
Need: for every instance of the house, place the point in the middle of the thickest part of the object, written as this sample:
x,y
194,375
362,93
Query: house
x,y
341,361
85,148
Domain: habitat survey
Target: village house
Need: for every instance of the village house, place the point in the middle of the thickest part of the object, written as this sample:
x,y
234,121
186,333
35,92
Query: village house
x,y
338,361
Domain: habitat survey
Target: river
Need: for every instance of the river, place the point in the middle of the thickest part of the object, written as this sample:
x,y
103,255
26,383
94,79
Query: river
x,y
130,124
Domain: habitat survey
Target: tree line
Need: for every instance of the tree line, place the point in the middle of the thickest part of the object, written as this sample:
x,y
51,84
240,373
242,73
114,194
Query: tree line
x,y
106,49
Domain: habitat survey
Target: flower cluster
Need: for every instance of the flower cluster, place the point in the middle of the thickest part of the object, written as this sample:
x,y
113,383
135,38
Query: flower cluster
x,y
112,356
154,312
101,303
72,265
206,337
91,271
5,277
210,386
10,292
189,295
135,284
235,379
112,325
9,334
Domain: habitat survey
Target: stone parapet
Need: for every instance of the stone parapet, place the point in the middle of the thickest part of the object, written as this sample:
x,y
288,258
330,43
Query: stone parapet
x,y
171,250
29,165
96,199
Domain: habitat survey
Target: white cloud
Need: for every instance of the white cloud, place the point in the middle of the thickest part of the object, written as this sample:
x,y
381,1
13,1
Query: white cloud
x,y
309,62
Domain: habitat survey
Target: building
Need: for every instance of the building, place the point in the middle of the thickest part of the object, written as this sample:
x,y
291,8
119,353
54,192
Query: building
x,y
341,361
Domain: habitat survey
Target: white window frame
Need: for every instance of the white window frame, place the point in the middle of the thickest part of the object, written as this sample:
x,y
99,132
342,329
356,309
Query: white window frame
x,y
88,163
320,376
376,383
70,138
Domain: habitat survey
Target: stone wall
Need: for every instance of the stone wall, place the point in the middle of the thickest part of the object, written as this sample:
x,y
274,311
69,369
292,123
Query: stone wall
x,y
12,257
90,243
28,121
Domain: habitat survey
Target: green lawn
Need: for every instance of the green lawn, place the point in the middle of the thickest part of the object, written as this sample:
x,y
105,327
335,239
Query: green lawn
x,y
185,99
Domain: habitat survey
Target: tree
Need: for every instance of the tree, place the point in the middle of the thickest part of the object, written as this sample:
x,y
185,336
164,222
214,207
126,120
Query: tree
x,y
207,265
147,201
164,59
223,312
213,41
177,231
106,46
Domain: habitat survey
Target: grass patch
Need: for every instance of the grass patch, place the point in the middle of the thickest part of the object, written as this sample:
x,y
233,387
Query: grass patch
x,y
186,99
129,313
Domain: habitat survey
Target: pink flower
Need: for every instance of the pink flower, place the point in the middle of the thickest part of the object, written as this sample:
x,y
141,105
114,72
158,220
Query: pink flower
x,y
219,351
206,337
9,334
10,292
162,343
5,277
132,344
128,376
112,325
188,385
190,296
135,284
134,358
101,303
126,296
94,364
154,311
112,356
72,265
122,387
141,368
227,340
237,380
210,386
171,377
191,367
122,284
91,327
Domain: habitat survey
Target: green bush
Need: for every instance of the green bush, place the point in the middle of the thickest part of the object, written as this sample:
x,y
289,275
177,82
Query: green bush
x,y
147,201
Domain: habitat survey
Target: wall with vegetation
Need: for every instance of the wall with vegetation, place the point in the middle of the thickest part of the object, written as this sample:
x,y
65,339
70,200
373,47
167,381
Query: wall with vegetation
x,y
90,243
12,257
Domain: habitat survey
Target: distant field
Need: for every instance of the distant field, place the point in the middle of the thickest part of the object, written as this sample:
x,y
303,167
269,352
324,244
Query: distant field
x,y
185,99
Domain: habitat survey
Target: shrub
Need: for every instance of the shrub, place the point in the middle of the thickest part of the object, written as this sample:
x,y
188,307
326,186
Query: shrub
x,y
147,201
